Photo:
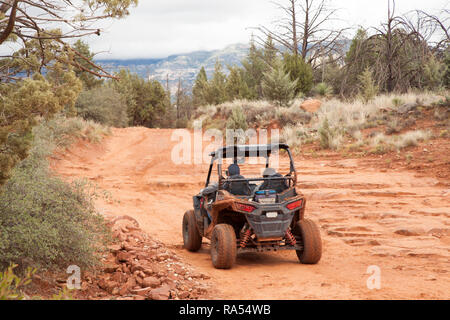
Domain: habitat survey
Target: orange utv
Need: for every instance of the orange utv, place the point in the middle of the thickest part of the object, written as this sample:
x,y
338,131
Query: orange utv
x,y
257,214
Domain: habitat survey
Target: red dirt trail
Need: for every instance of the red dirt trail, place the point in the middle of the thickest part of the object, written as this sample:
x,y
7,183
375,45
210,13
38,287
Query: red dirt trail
x,y
394,220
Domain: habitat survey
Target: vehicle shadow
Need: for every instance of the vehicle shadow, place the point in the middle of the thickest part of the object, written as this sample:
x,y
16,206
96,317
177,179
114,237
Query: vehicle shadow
x,y
266,259
257,258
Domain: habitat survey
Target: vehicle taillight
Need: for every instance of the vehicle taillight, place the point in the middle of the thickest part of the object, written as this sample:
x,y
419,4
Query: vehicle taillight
x,y
294,205
245,207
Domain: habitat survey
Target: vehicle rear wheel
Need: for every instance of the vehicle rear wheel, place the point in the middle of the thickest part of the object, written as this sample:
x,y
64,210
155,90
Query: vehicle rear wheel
x,y
311,240
191,237
223,246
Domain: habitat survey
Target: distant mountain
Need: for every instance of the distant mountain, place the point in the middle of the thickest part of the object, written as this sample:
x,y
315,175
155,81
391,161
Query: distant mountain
x,y
185,66
181,66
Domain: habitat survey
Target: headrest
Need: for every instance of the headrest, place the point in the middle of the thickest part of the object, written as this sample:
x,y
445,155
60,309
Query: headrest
x,y
268,172
234,170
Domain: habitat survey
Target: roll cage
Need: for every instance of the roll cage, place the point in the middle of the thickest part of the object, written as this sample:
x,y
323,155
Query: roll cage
x,y
247,151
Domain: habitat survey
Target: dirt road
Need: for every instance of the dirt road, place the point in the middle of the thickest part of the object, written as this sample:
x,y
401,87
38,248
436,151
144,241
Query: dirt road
x,y
393,219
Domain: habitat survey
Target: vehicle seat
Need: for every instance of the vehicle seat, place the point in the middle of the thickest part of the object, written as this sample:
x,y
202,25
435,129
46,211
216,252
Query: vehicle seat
x,y
238,188
278,185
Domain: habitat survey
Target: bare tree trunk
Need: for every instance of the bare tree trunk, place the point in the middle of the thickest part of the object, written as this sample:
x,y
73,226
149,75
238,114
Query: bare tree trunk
x,y
389,47
305,21
306,31
294,28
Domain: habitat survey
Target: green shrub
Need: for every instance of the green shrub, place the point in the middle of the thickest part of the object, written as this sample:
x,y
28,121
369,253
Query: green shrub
x,y
300,72
367,87
330,138
11,285
46,222
397,102
237,120
325,134
434,72
103,105
322,89
278,86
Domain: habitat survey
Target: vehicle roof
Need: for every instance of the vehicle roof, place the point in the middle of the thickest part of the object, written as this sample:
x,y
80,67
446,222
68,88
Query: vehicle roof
x,y
261,150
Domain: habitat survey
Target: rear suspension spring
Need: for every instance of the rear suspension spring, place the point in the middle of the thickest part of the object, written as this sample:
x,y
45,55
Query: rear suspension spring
x,y
246,238
290,237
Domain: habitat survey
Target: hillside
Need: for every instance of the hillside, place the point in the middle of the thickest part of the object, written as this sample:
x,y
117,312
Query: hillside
x,y
181,66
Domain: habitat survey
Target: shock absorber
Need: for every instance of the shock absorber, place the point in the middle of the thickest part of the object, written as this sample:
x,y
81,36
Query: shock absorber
x,y
290,237
246,238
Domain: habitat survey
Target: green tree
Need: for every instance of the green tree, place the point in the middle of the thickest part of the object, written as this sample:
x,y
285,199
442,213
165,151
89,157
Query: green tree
x,y
270,52
31,50
103,105
22,21
66,86
21,103
147,102
217,86
236,87
86,62
434,73
447,65
200,89
367,87
254,68
359,57
300,72
277,85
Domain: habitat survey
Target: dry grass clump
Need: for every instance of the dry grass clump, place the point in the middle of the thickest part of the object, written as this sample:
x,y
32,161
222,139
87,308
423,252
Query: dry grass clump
x,y
357,115
295,136
382,143
258,114
65,131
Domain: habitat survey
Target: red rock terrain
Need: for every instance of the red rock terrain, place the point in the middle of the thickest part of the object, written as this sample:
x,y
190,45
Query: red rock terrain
x,y
391,218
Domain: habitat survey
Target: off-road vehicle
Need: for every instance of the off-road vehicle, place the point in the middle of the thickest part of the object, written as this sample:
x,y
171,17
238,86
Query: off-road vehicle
x,y
240,215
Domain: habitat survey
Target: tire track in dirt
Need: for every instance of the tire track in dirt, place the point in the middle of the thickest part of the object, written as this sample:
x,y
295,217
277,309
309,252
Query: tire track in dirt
x,y
390,219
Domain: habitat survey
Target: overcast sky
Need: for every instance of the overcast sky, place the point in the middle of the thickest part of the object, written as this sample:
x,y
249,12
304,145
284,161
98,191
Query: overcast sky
x,y
158,28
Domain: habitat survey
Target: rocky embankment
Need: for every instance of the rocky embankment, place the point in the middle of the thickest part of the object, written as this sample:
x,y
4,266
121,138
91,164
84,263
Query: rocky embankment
x,y
138,267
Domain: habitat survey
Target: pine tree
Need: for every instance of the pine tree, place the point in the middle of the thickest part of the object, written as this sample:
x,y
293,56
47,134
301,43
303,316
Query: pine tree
x,y
236,87
299,71
277,85
367,87
217,86
270,52
199,91
254,66
147,101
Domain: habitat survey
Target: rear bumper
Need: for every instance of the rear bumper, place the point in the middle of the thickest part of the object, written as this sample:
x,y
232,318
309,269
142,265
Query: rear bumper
x,y
272,247
270,228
